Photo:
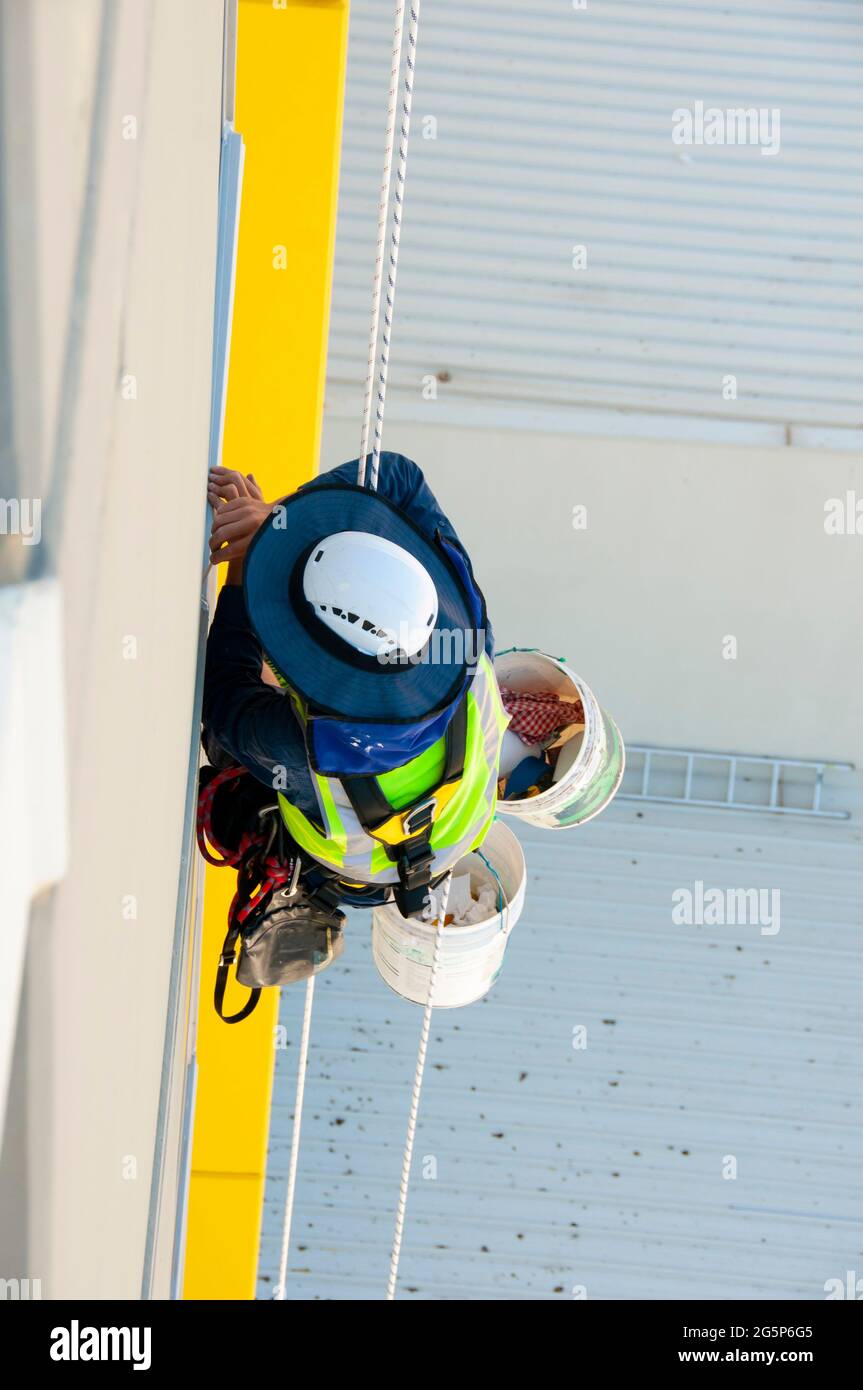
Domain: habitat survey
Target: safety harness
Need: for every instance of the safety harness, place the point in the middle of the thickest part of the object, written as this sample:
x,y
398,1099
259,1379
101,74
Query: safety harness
x,y
406,834
405,828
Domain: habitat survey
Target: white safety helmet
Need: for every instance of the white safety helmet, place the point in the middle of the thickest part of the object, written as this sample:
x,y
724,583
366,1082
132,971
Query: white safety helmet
x,y
372,593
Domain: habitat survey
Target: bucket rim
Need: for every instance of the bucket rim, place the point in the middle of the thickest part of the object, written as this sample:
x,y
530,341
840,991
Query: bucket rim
x,y
594,719
600,730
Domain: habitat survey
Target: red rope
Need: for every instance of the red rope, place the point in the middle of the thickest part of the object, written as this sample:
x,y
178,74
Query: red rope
x,y
259,872
204,825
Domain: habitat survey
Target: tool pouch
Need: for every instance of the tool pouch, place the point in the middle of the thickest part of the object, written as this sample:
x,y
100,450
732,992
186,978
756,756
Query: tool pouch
x,y
293,939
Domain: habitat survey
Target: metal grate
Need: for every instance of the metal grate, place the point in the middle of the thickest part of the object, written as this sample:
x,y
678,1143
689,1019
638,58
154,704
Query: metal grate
x,y
542,132
737,781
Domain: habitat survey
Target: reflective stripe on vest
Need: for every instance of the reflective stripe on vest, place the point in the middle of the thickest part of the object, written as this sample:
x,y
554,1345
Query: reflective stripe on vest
x,y
342,844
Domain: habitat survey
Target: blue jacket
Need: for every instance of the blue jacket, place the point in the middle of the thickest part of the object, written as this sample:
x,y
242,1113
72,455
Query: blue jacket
x,y
254,723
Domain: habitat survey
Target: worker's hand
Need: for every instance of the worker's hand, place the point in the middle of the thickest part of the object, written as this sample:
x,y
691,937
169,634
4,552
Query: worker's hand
x,y
227,484
239,509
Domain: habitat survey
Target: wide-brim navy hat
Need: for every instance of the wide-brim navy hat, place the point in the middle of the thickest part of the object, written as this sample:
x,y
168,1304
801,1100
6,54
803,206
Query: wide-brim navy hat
x,y
325,671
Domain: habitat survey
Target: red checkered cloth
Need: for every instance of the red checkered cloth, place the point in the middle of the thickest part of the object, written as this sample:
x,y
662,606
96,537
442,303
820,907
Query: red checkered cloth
x,y
534,716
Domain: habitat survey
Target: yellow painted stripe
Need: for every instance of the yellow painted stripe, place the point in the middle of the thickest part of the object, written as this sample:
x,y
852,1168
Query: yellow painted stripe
x,y
290,88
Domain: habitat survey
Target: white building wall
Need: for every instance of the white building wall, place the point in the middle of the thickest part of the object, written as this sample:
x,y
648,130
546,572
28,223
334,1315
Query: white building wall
x,y
525,387
686,544
130,295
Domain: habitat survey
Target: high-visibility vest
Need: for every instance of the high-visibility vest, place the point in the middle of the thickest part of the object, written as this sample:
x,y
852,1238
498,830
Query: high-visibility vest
x,y
434,809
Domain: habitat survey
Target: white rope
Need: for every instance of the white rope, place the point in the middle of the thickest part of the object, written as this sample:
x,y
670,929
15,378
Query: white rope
x,y
395,235
377,283
295,1139
373,335
383,208
415,1094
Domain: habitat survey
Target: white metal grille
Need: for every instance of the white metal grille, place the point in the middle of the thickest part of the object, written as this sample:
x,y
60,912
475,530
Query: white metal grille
x,y
553,130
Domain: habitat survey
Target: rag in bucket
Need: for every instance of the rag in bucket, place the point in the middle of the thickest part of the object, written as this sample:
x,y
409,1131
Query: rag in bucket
x,y
536,715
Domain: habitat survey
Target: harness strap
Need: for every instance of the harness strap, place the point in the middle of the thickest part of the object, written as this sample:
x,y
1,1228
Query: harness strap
x,y
327,894
226,960
406,834
390,827
414,867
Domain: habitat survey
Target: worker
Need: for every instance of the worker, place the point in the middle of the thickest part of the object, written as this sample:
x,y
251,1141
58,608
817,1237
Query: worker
x,y
349,671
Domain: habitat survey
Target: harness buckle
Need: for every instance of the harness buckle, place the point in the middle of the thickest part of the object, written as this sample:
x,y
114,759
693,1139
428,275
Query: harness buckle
x,y
414,861
419,817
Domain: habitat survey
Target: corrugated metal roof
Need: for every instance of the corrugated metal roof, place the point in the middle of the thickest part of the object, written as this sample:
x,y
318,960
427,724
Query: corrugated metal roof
x,y
554,130
601,1167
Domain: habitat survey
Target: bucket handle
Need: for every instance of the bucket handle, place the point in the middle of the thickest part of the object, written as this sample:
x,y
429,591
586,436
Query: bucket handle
x,y
506,651
502,900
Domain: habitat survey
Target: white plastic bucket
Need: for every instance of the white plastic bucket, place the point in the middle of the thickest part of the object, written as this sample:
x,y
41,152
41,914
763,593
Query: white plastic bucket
x,y
471,956
596,772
